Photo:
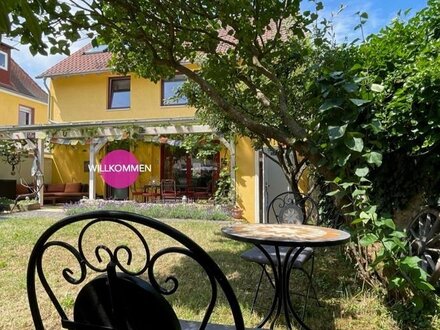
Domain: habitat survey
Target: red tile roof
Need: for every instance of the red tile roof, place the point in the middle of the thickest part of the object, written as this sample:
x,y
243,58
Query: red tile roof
x,y
82,63
79,63
23,84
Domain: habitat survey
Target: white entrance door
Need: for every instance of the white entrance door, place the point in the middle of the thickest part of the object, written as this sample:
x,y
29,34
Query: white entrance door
x,y
274,183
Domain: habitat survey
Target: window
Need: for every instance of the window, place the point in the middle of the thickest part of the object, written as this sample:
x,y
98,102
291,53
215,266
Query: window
x,y
25,115
170,89
97,50
3,60
119,93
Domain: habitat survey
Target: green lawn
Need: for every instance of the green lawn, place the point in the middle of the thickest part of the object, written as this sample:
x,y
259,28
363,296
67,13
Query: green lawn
x,y
345,304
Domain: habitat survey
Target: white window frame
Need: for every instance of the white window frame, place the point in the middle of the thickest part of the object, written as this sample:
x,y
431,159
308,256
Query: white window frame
x,y
27,110
4,67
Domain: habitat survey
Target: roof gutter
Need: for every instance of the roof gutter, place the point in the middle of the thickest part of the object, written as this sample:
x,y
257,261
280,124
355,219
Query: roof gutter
x,y
49,101
67,74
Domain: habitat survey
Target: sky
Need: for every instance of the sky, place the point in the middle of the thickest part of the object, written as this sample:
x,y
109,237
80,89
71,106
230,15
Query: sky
x,y
380,13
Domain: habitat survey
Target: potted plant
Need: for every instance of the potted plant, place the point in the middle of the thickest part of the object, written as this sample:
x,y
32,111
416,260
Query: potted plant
x,y
236,212
5,204
28,204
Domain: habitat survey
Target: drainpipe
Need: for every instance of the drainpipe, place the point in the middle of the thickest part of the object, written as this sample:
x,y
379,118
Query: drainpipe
x,y
233,166
49,101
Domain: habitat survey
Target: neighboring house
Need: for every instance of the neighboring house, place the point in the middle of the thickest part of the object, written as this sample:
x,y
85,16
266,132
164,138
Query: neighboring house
x,y
85,94
22,103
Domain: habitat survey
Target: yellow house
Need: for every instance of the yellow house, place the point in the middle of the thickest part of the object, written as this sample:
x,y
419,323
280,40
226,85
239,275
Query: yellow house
x,y
93,110
22,103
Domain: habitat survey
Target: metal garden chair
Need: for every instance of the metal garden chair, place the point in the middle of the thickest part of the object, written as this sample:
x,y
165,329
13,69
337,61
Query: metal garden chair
x,y
117,281
293,208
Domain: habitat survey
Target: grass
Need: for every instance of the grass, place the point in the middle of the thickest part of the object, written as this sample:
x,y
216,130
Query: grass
x,y
346,304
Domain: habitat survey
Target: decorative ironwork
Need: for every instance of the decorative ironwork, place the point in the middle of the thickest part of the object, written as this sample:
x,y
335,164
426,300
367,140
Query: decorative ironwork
x,y
289,207
108,257
424,242
13,159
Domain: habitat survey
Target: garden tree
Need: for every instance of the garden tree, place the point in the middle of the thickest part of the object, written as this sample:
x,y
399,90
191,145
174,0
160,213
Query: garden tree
x,y
370,104
246,51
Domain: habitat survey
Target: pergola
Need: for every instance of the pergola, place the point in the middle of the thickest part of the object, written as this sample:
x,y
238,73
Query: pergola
x,y
98,133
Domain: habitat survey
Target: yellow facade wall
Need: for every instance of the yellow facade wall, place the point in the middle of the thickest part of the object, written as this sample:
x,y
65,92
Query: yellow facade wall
x,y
245,178
9,105
85,98
68,165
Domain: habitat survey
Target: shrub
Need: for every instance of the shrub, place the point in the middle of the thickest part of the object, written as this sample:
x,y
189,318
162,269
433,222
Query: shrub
x,y
174,210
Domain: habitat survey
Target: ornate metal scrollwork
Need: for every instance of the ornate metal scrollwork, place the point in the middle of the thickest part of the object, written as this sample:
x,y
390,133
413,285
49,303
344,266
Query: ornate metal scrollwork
x,y
132,257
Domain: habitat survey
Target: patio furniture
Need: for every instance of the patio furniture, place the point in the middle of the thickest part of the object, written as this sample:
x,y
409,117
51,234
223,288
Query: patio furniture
x,y
151,192
120,283
136,192
297,238
290,208
63,192
203,192
168,190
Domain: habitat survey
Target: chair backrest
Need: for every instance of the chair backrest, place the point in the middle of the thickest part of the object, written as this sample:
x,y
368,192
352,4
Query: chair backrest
x,y
168,186
122,285
289,207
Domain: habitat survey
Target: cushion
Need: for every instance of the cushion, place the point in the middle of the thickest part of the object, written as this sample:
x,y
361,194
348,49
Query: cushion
x,y
72,187
21,189
55,187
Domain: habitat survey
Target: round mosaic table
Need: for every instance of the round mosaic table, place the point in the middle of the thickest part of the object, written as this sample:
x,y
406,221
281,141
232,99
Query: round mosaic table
x,y
297,237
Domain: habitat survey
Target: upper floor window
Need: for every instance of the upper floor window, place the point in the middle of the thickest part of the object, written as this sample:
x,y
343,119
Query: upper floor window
x,y
119,93
25,115
170,89
3,60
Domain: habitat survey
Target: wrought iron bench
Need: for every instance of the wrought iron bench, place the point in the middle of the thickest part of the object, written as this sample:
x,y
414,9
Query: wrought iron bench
x,y
115,275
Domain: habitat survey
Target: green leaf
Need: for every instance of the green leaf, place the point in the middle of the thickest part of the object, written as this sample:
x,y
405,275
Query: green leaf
x,y
355,144
412,262
336,132
342,161
368,239
346,185
397,282
377,88
358,192
356,221
362,171
350,87
373,158
365,215
389,245
398,234
330,104
389,223
333,193
359,102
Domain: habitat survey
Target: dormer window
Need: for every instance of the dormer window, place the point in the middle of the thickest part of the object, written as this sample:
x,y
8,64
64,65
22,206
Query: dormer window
x,y
3,61
97,50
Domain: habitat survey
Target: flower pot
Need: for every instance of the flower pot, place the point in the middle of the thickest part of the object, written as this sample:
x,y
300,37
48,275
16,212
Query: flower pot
x,y
237,213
